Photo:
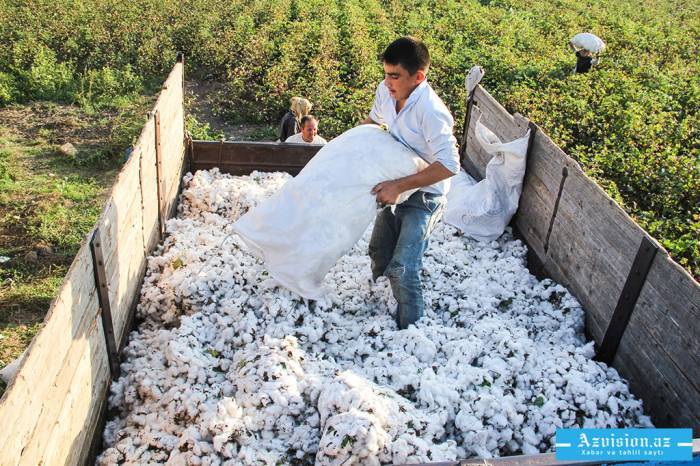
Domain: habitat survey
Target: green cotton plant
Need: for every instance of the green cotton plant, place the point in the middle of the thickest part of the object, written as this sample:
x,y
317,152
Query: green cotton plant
x,y
201,131
8,89
633,122
109,88
39,75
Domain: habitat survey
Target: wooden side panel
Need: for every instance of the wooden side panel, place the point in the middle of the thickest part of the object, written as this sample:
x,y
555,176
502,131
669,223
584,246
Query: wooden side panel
x,y
149,189
543,177
241,158
121,231
590,249
172,135
35,398
69,439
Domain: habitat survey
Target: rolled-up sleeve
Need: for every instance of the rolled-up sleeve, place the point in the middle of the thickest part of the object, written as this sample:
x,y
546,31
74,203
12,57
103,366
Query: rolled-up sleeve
x,y
376,113
437,128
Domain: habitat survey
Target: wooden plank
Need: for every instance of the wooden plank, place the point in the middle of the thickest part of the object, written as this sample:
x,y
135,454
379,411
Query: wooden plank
x,y
541,186
639,365
125,267
670,291
70,439
174,79
502,123
149,190
75,374
263,154
605,246
122,243
32,394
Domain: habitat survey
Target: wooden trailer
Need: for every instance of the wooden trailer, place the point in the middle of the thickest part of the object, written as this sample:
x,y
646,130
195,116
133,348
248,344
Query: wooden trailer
x,y
642,308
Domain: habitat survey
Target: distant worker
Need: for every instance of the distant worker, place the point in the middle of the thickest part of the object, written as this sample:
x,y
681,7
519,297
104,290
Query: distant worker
x,y
587,46
309,132
291,121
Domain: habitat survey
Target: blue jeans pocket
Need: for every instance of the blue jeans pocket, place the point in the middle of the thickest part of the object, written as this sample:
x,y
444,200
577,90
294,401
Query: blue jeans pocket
x,y
435,205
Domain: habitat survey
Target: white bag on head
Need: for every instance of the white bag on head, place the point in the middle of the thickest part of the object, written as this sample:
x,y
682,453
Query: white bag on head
x,y
483,210
302,231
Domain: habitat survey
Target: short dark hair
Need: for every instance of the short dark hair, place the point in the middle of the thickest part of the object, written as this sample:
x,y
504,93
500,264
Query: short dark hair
x,y
306,118
408,52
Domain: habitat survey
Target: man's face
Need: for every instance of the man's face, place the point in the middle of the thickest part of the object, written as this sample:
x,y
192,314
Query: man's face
x,y
309,131
400,82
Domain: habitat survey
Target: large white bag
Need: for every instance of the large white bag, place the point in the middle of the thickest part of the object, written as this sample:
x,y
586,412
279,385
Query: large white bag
x,y
302,231
483,210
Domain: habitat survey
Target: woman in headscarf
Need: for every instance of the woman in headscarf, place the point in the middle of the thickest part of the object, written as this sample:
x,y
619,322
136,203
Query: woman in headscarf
x,y
290,124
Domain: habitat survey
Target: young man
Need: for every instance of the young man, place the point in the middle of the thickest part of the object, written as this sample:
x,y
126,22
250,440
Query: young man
x,y
309,132
416,116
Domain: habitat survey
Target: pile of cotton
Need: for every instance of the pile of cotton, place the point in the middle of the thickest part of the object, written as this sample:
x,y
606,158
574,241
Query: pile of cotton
x,y
227,367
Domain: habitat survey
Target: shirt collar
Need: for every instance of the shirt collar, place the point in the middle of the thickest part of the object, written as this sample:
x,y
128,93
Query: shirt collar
x,y
417,92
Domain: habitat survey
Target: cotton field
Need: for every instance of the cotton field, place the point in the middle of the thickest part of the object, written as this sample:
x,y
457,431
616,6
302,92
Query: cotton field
x,y
226,367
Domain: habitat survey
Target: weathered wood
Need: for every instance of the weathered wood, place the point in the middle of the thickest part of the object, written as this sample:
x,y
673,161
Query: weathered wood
x,y
640,365
541,187
122,243
627,301
609,238
98,266
70,439
149,191
34,396
172,130
61,438
244,157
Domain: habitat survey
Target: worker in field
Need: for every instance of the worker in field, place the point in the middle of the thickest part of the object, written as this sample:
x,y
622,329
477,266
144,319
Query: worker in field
x,y
291,121
416,116
308,133
587,48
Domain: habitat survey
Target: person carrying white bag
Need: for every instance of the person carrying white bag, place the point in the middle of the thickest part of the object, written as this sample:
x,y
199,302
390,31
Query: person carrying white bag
x,y
415,115
305,228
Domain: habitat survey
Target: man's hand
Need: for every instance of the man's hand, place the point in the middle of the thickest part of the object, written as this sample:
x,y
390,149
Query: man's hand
x,y
387,192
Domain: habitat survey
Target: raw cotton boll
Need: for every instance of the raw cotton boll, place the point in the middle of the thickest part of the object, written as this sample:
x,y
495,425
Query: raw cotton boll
x,y
352,438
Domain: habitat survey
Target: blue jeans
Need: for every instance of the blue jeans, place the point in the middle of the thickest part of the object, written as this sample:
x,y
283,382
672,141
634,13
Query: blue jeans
x,y
396,249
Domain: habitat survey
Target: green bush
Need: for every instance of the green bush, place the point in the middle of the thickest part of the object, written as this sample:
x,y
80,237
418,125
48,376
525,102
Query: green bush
x,y
40,76
201,131
109,88
8,89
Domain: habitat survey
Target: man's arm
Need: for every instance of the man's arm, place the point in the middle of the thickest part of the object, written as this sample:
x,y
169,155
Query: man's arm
x,y
388,192
368,121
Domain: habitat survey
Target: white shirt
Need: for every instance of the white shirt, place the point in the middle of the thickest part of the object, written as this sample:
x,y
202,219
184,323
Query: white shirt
x,y
424,124
299,140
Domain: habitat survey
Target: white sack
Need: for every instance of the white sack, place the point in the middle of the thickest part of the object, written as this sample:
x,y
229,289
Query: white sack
x,y
302,231
483,210
588,41
8,373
